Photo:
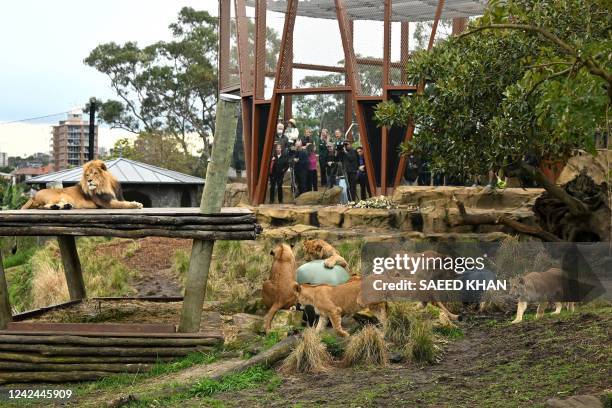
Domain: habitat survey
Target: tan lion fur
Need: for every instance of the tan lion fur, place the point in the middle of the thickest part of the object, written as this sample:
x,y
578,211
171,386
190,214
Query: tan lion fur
x,y
540,288
98,188
333,302
320,249
277,291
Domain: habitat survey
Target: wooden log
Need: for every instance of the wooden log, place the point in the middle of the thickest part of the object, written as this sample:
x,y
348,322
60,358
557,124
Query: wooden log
x,y
50,217
104,351
161,211
265,359
112,328
72,267
51,376
108,341
110,368
28,314
211,203
5,305
189,227
41,230
37,358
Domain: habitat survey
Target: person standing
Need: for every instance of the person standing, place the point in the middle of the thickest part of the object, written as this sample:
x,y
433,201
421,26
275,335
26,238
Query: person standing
x,y
331,166
278,167
312,168
291,131
301,168
362,176
323,154
307,138
350,161
280,138
338,136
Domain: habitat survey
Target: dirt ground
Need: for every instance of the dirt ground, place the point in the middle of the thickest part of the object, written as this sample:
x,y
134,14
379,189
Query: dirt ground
x,y
152,259
494,365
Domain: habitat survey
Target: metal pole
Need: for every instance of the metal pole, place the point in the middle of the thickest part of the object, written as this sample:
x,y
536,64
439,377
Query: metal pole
x,y
92,128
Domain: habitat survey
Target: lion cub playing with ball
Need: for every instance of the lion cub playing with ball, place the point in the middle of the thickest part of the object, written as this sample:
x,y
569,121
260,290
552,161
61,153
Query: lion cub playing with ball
x,y
320,249
333,302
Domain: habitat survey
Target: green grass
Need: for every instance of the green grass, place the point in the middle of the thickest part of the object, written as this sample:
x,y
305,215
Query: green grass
x,y
334,347
249,378
19,258
452,333
421,346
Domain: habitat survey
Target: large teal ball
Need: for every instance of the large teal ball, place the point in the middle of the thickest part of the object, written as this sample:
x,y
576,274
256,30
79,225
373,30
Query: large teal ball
x,y
315,273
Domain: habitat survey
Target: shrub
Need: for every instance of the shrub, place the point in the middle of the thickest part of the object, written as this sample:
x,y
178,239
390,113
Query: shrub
x,y
421,347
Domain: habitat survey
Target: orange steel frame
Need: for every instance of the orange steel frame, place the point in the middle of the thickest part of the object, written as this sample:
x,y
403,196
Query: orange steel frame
x,y
252,80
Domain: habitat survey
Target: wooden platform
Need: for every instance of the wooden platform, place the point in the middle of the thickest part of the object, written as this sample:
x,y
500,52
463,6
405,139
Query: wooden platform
x,y
232,223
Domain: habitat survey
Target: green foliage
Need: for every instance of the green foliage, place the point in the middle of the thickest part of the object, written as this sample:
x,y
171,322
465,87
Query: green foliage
x,y
331,341
250,378
19,258
449,332
19,281
166,88
494,96
13,197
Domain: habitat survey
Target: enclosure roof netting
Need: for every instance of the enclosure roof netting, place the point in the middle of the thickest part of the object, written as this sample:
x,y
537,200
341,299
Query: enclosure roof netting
x,y
126,171
403,10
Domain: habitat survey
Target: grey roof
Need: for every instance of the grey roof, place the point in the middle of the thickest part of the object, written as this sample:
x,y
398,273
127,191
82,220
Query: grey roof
x,y
403,10
126,171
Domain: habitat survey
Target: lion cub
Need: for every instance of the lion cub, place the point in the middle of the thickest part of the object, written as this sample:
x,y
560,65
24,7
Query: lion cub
x,y
277,292
333,302
541,288
320,249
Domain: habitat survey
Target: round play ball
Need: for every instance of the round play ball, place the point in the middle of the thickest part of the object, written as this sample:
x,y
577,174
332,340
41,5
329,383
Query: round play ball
x,y
315,273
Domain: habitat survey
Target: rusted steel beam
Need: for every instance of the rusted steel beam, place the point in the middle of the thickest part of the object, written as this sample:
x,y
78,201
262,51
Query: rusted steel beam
x,y
322,90
245,69
385,84
459,25
401,168
348,100
247,136
224,42
259,59
315,67
281,75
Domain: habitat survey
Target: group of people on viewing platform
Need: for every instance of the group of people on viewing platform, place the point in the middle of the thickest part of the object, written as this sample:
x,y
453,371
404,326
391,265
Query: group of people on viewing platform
x,y
312,159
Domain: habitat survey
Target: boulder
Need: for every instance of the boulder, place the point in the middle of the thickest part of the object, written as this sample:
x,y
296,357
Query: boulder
x,y
287,320
595,166
322,197
247,322
281,215
235,194
331,216
368,217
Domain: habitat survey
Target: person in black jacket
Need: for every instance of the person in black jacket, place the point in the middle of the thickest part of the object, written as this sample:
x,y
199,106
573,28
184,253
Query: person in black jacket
x,y
278,167
350,162
301,167
362,176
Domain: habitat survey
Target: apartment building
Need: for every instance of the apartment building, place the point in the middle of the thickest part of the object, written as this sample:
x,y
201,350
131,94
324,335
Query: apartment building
x,y
70,143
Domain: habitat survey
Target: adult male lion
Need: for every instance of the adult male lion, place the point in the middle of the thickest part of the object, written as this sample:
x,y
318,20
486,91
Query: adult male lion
x,y
319,249
98,188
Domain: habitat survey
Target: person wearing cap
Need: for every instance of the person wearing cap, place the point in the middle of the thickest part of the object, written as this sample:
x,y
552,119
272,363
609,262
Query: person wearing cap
x,y
291,131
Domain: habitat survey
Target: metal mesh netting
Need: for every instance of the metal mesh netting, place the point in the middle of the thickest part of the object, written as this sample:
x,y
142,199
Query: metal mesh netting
x,y
405,10
233,77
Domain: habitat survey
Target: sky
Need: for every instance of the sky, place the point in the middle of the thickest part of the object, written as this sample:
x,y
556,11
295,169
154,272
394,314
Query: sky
x,y
42,47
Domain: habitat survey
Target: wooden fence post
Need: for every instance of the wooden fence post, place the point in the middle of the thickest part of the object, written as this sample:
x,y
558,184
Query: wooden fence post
x,y
5,306
212,201
72,267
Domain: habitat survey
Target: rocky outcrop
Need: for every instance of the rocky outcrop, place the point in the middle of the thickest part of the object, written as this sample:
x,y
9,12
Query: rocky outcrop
x,y
235,194
329,196
472,197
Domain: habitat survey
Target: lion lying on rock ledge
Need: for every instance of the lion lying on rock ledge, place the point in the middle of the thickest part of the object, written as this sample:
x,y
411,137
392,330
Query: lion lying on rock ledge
x,y
98,188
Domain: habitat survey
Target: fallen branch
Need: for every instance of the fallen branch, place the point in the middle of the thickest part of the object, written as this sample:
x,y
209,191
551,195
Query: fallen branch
x,y
265,359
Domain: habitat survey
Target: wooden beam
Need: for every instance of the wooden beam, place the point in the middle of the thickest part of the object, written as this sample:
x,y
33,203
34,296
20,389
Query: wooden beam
x,y
72,267
211,203
281,75
5,306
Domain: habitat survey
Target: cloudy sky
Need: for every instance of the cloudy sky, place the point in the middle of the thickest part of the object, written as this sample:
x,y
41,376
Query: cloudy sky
x,y
42,47
43,44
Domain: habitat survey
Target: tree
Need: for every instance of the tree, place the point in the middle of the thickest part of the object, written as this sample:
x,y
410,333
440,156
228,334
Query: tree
x,y
529,82
166,88
158,150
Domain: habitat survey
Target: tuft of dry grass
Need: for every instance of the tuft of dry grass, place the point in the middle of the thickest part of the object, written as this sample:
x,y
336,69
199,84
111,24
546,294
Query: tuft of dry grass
x,y
309,356
397,326
48,285
421,346
367,348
